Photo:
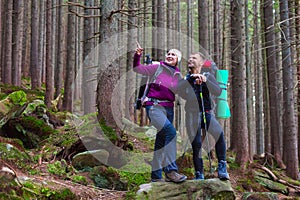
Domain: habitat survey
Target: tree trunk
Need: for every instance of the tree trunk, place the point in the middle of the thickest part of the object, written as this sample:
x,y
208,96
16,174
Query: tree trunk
x,y
17,40
217,49
88,71
61,49
297,11
272,77
239,100
258,67
290,134
109,70
34,63
70,63
161,34
49,59
154,30
203,23
42,39
26,41
130,81
7,68
250,84
1,33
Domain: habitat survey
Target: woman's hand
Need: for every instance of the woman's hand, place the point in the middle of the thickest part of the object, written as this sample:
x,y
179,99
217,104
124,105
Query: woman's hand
x,y
139,50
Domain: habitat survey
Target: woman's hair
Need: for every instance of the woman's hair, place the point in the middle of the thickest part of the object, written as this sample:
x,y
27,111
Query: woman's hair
x,y
178,54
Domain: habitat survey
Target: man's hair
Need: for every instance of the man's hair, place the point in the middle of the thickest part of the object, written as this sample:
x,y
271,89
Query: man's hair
x,y
201,55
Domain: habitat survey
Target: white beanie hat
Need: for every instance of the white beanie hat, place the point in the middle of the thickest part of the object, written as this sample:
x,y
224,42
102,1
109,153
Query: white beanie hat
x,y
178,54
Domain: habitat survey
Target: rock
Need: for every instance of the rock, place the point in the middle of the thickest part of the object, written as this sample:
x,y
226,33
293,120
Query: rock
x,y
90,159
7,175
190,190
12,106
260,196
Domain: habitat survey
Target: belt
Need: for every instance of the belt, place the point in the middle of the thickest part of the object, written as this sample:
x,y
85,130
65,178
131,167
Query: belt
x,y
157,101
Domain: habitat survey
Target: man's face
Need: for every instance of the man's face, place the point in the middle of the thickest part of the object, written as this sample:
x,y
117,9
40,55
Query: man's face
x,y
171,58
195,61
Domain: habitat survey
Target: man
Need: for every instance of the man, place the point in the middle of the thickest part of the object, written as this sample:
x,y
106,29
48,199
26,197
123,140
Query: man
x,y
196,89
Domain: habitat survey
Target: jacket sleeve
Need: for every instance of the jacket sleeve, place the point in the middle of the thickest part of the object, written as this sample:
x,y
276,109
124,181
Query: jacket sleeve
x,y
185,90
213,85
143,69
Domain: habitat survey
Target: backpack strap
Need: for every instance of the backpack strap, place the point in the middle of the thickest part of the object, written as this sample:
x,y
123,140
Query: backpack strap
x,y
153,79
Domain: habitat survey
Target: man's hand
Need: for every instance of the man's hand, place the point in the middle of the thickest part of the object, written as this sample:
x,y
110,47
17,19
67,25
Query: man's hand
x,y
139,50
199,78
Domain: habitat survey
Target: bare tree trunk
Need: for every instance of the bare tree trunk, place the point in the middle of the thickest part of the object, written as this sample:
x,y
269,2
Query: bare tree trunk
x,y
161,34
42,39
26,41
7,68
154,30
130,81
297,11
250,88
217,49
70,65
290,146
17,40
109,71
61,49
239,100
258,66
272,80
88,71
49,64
34,64
1,33
203,23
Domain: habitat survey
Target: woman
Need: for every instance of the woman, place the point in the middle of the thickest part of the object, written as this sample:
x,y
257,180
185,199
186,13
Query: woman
x,y
159,106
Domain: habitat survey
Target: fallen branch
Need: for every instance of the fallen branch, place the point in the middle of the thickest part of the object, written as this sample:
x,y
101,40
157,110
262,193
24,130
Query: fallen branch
x,y
275,178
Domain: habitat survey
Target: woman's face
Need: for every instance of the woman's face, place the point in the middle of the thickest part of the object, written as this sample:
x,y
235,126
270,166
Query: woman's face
x,y
171,58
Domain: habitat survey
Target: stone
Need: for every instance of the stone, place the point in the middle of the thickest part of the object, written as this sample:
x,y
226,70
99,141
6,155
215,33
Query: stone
x,y
190,190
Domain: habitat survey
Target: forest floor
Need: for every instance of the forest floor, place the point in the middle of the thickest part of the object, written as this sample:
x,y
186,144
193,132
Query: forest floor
x,y
241,181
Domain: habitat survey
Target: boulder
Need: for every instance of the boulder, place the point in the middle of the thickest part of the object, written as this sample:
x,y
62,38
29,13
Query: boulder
x,y
90,159
260,196
190,190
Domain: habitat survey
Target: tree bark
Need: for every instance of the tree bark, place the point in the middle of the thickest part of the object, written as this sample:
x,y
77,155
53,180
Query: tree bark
x,y
203,24
258,66
61,51
290,146
109,71
70,62
34,64
49,59
88,71
239,100
17,40
270,45
7,68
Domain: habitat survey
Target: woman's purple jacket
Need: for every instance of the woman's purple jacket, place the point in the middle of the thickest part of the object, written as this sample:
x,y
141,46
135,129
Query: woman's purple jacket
x,y
165,84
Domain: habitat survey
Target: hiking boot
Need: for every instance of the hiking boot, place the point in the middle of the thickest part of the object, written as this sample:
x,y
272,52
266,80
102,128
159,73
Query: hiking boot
x,y
222,172
175,177
158,180
199,176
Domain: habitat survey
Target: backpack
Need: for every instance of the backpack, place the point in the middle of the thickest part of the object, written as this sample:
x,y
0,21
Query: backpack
x,y
145,82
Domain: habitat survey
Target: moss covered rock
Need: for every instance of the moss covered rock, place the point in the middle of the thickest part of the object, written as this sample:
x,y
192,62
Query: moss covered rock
x,y
190,190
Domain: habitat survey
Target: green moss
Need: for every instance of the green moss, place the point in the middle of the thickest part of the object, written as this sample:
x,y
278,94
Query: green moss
x,y
64,194
37,126
58,168
21,159
18,97
108,131
79,179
